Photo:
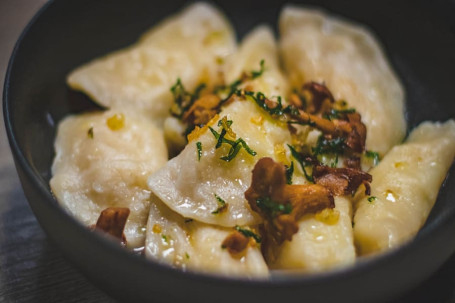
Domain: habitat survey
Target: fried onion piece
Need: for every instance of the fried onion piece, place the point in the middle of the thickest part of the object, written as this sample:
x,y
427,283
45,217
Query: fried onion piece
x,y
341,181
282,205
203,109
112,221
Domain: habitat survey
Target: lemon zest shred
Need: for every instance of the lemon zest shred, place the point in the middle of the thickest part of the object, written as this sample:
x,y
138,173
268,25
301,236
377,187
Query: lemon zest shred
x,y
198,131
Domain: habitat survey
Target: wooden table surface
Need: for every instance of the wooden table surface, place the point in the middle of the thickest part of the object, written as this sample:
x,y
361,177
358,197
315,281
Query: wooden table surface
x,y
32,269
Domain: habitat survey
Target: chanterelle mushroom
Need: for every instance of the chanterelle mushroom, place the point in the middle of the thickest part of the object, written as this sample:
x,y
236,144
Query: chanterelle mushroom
x,y
282,205
112,221
341,181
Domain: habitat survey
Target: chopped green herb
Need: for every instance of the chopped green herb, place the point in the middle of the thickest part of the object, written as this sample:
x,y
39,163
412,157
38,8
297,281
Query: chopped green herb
x,y
220,200
309,123
335,163
371,199
248,233
289,172
228,122
219,210
187,255
277,110
223,133
220,138
199,150
183,99
303,163
373,155
222,205
329,146
90,133
233,88
273,208
329,160
257,74
235,145
239,143
335,147
165,238
338,113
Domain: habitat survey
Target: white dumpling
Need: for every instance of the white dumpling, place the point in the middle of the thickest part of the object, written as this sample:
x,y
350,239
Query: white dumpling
x,y
186,46
191,245
188,185
348,59
258,45
405,186
322,242
107,167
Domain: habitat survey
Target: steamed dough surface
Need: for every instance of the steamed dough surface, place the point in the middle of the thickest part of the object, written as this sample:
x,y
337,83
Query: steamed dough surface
x,y
187,45
258,45
406,184
347,58
320,245
188,185
192,245
109,170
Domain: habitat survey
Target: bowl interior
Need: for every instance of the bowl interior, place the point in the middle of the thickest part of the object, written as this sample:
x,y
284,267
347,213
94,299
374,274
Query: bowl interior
x,y
419,40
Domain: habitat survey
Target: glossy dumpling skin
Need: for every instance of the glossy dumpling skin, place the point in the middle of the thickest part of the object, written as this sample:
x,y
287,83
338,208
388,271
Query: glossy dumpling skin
x,y
320,244
348,59
258,45
186,46
406,184
191,245
110,169
188,185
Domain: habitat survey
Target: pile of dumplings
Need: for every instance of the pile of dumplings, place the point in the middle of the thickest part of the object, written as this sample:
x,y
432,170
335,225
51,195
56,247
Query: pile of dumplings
x,y
120,157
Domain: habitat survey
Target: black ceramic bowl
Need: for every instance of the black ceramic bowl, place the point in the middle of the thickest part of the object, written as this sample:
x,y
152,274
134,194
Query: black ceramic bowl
x,y
420,41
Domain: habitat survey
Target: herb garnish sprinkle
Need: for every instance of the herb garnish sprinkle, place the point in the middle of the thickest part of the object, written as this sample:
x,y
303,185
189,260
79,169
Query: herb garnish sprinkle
x,y
235,145
248,233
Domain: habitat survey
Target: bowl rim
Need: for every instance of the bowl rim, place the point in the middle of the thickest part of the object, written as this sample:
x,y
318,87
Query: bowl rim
x,y
362,264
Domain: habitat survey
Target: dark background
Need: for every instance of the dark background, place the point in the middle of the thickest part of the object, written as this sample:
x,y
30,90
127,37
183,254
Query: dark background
x,y
32,269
